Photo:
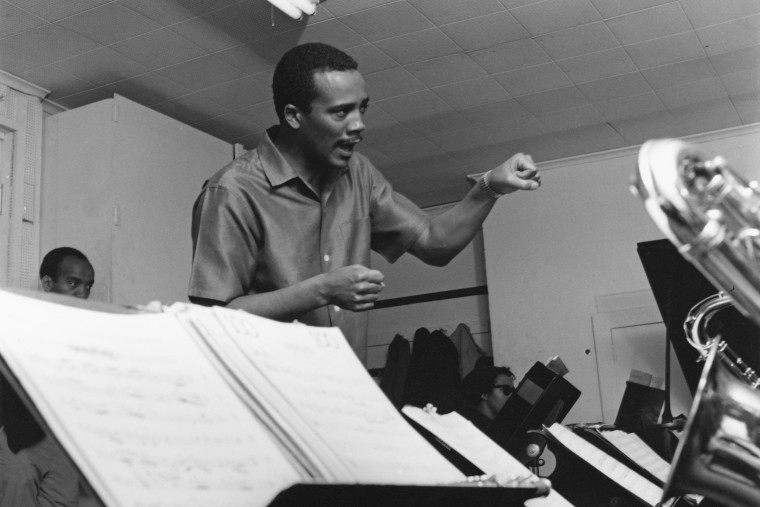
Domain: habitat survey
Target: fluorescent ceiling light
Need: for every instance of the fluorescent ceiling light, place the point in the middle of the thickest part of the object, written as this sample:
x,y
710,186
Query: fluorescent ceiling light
x,y
296,8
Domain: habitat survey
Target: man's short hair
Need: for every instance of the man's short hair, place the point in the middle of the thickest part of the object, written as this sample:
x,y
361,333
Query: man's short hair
x,y
52,261
293,81
481,380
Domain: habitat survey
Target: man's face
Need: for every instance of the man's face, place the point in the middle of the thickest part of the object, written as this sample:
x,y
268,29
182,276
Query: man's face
x,y
498,396
333,127
75,278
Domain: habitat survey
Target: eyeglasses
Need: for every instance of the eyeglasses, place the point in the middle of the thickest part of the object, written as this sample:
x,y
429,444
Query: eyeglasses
x,y
506,388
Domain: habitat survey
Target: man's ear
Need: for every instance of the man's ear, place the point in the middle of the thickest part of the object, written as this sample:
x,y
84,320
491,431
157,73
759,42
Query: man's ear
x,y
47,283
292,116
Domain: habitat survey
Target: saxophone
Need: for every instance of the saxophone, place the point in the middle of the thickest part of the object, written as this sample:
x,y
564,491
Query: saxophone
x,y
712,215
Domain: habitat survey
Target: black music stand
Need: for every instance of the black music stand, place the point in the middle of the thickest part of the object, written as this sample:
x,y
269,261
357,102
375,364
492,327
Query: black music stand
x,y
541,399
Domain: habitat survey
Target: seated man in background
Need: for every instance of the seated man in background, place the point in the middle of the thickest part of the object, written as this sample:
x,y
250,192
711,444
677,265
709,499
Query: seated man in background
x,y
66,270
486,390
34,470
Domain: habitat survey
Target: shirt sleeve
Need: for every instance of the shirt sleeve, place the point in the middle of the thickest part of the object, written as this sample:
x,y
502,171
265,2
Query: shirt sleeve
x,y
224,246
396,221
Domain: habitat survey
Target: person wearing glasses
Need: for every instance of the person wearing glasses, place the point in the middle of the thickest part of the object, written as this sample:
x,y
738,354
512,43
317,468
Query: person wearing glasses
x,y
485,391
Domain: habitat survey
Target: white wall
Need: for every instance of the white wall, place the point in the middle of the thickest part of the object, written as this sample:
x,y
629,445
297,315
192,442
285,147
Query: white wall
x,y
411,277
551,253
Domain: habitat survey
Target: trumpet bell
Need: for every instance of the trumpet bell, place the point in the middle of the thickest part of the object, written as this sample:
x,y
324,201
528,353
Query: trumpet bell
x,y
719,452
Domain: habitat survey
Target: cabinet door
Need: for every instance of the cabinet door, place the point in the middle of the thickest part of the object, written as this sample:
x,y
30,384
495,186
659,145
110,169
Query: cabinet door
x,y
159,166
634,339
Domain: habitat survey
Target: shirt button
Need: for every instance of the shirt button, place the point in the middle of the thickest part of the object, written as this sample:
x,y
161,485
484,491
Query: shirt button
x,y
336,308
326,258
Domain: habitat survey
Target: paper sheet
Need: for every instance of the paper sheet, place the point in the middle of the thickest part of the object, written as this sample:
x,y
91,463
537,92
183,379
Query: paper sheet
x,y
462,436
609,466
139,409
318,375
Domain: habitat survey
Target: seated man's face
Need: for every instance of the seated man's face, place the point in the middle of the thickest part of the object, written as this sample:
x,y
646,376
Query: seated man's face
x,y
503,387
75,278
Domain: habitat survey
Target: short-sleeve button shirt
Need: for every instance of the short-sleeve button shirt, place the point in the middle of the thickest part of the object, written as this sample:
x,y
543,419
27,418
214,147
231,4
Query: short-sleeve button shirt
x,y
258,227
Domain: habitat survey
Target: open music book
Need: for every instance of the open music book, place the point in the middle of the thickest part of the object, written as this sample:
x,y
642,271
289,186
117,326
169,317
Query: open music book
x,y
460,434
622,457
200,406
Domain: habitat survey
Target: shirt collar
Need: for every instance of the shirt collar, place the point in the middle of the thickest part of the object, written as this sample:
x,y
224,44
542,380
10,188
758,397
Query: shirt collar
x,y
276,168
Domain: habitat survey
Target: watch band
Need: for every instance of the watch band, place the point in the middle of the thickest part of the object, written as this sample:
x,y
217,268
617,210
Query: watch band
x,y
484,185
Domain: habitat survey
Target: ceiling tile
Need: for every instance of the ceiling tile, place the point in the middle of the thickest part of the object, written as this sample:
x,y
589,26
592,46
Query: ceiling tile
x,y
637,130
485,31
109,23
612,8
230,26
748,107
595,66
53,10
731,35
509,130
83,98
704,13
159,48
742,83
418,46
414,105
201,73
472,93
386,21
57,81
437,122
511,56
695,92
383,129
446,70
660,21
263,114
48,44
737,60
16,63
14,20
226,126
567,119
594,138
238,93
408,150
616,86
552,15
147,89
168,13
714,115
391,83
343,7
245,58
666,50
442,12
371,58
190,108
337,33
536,79
495,112
629,107
578,40
102,66
553,100
459,139
678,73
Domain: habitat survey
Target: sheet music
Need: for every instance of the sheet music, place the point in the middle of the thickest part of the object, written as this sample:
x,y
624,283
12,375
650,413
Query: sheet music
x,y
319,377
609,466
635,448
139,409
462,436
